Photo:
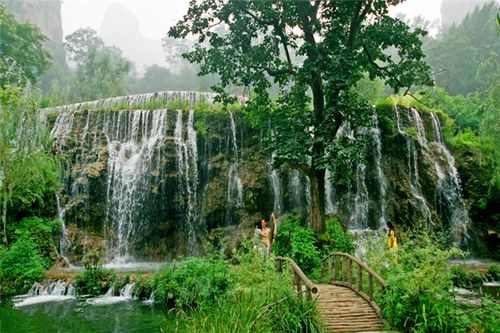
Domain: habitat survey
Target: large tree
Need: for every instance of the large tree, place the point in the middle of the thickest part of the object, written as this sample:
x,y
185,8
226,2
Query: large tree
x,y
21,50
101,71
316,52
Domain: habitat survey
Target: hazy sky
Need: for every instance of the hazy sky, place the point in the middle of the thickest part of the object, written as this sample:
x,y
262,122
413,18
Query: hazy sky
x,y
156,16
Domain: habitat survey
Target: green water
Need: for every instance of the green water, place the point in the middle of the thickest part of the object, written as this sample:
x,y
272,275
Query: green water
x,y
80,316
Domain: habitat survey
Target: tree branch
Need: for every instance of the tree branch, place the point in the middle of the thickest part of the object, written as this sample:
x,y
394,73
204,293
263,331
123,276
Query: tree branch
x,y
259,20
381,68
278,29
273,72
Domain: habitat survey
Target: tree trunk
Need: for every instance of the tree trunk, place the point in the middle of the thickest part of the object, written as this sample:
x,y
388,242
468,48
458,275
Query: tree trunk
x,y
317,213
4,217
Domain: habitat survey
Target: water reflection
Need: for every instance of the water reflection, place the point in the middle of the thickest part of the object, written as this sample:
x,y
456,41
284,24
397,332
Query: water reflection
x,y
81,316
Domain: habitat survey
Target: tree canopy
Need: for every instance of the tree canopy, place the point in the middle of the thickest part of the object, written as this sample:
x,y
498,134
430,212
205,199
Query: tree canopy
x,y
21,49
316,52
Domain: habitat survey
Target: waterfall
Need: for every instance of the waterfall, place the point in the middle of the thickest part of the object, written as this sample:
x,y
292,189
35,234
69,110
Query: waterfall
x,y
64,243
295,188
412,158
421,138
234,185
134,141
382,180
63,126
359,218
187,171
53,291
133,145
233,135
145,184
330,203
448,190
125,295
277,188
126,291
55,288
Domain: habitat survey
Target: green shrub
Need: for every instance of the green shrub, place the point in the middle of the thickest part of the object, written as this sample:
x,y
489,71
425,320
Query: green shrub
x,y
43,232
20,267
191,282
94,281
336,238
494,272
298,243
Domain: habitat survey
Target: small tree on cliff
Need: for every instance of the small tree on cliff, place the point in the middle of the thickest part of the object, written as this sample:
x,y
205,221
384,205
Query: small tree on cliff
x,y
21,50
314,51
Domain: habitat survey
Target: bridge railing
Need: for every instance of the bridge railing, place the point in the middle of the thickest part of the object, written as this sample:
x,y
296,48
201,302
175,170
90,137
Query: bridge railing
x,y
346,270
303,285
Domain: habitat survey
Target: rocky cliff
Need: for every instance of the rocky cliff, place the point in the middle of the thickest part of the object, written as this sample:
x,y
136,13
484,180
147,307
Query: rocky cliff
x,y
46,15
155,184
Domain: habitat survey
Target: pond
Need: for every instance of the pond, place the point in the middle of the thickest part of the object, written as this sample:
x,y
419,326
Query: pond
x,y
112,314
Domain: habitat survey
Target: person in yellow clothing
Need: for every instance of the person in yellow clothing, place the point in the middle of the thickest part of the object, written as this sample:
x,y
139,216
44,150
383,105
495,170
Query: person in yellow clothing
x,y
392,241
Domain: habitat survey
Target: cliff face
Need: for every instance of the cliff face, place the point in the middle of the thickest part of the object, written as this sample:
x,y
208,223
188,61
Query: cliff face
x,y
155,184
46,15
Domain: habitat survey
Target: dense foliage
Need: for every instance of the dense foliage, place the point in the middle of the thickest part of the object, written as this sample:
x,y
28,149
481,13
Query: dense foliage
x,y
419,297
192,282
21,51
28,171
299,243
20,266
32,251
94,281
296,241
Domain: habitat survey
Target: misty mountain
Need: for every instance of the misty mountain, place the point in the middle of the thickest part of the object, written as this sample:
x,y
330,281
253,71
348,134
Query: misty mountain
x,y
121,28
453,11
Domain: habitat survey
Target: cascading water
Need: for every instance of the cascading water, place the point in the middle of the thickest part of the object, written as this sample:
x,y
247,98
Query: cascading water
x,y
54,291
449,199
413,170
133,146
187,170
234,185
382,180
330,206
277,189
359,218
64,243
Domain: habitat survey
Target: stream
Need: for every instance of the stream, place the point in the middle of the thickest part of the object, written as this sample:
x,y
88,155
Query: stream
x,y
70,314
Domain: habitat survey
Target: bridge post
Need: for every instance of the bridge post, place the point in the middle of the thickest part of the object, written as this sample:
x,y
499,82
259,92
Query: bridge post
x,y
329,268
344,259
360,278
336,268
350,272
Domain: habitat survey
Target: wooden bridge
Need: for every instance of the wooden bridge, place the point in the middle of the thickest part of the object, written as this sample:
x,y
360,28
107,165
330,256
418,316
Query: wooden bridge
x,y
346,295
